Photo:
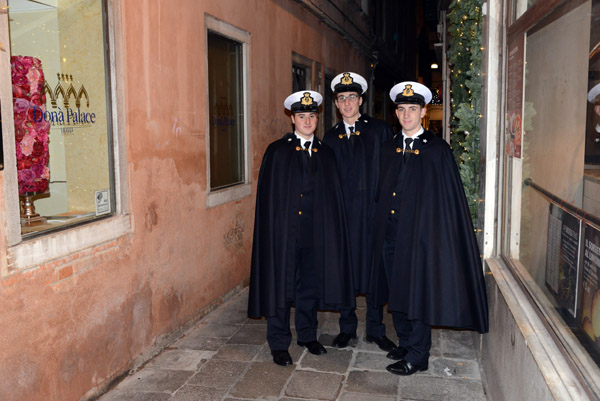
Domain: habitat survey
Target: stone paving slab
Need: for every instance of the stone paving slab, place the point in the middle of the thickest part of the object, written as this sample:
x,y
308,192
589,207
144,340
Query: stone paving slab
x,y
199,342
382,383
250,334
198,393
151,379
226,357
436,389
297,399
329,326
235,311
371,361
452,368
364,397
181,359
327,339
436,343
318,385
262,380
116,395
336,360
237,352
213,330
219,374
457,344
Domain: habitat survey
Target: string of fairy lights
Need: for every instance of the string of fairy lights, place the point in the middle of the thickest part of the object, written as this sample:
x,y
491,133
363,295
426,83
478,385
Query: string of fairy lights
x,y
464,57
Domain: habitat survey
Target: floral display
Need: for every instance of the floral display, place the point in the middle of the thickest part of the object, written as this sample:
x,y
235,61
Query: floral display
x,y
31,131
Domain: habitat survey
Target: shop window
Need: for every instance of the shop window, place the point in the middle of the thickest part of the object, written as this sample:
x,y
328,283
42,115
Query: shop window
x,y
551,224
65,175
228,112
62,113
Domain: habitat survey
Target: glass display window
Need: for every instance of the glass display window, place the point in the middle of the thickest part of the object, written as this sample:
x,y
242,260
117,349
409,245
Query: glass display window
x,y
62,112
551,230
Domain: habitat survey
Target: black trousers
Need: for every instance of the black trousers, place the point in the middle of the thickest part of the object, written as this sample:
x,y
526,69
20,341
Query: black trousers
x,y
374,320
414,335
279,335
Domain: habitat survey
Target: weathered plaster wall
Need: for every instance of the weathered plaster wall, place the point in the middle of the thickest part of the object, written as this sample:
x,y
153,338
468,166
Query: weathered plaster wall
x,y
70,326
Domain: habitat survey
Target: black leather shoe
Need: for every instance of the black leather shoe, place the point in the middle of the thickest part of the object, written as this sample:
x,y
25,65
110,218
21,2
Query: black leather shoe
x,y
282,358
397,354
314,347
384,343
405,368
342,340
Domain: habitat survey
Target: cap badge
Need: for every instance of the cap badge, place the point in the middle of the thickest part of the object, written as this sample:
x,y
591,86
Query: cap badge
x,y
306,99
347,79
408,91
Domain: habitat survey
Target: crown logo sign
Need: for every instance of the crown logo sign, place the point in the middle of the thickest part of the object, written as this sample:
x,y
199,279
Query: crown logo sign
x,y
347,79
306,99
408,91
60,91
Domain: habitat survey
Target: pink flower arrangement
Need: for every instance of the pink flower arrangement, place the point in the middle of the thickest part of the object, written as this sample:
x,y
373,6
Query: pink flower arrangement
x,y
31,136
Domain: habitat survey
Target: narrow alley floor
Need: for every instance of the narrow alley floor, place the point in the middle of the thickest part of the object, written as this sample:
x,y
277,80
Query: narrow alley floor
x,y
225,356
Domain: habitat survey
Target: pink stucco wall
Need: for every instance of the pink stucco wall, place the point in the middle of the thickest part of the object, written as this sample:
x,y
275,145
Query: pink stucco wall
x,y
69,327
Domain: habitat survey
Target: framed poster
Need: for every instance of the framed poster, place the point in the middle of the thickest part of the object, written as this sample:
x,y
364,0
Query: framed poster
x,y
590,304
563,260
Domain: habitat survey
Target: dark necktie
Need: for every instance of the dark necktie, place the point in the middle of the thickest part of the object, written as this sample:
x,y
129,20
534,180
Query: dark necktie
x,y
307,147
306,156
407,147
352,135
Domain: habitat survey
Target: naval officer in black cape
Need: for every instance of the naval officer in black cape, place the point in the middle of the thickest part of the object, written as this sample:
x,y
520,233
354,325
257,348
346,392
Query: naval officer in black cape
x,y
430,268
356,141
300,253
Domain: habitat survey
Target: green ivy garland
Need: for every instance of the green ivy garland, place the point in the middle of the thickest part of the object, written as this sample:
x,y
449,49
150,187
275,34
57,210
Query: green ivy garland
x,y
464,58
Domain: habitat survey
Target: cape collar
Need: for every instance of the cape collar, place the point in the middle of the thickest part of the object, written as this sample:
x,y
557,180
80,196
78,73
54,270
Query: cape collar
x,y
292,139
424,138
363,119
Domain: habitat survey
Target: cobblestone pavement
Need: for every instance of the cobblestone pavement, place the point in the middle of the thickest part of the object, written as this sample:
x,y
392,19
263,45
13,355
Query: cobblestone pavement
x,y
225,357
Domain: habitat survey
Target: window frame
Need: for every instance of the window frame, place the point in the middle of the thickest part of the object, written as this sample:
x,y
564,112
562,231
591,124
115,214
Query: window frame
x,y
306,63
37,250
577,366
237,191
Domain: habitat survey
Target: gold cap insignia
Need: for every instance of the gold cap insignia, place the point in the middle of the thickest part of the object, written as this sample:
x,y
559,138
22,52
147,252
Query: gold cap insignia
x,y
408,91
346,79
306,99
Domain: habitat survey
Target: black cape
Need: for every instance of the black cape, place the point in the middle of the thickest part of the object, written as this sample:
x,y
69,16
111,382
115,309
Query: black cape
x,y
437,275
276,214
359,170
